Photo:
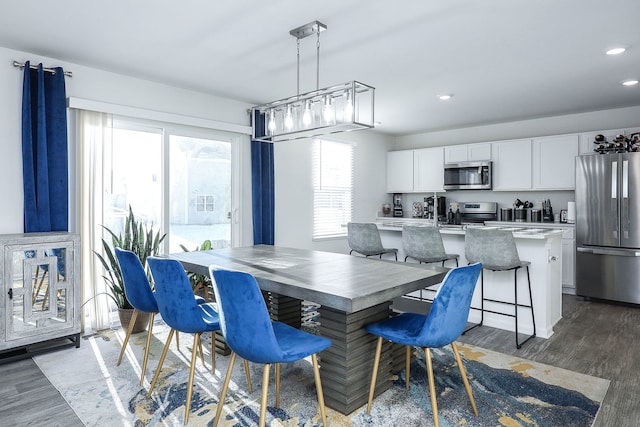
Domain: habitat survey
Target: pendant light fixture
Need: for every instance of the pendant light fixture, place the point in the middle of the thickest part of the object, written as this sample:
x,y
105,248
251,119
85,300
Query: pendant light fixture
x,y
340,108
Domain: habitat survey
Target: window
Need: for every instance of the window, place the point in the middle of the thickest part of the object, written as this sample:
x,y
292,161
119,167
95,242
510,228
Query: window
x,y
204,203
332,188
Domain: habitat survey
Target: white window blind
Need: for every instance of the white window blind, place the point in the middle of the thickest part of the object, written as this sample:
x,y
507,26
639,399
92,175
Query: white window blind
x,y
332,188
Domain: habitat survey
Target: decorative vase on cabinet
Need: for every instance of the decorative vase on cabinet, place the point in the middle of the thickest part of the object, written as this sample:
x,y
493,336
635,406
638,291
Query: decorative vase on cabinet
x,y
40,275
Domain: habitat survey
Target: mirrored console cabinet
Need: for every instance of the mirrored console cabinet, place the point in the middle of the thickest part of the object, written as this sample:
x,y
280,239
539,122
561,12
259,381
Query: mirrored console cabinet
x,y
40,274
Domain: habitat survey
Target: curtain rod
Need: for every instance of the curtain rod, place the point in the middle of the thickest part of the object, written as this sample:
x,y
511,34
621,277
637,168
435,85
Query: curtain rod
x,y
35,67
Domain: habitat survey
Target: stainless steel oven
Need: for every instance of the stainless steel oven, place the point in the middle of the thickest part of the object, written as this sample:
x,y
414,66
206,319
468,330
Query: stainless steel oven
x,y
467,176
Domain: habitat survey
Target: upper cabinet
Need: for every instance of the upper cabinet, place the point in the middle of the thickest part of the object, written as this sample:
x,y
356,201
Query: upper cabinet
x,y
467,152
428,170
554,162
400,171
512,165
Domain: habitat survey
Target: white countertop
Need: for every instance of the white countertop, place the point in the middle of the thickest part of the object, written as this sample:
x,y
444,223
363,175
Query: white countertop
x,y
520,230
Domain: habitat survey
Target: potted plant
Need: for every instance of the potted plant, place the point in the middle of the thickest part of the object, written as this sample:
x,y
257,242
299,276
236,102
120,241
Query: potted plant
x,y
200,282
143,242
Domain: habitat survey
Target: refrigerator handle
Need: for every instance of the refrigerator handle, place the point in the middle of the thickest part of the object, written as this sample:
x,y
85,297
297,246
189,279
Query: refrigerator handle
x,y
614,199
624,220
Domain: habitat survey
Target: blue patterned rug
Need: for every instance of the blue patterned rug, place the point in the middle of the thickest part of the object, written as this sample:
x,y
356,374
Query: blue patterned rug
x,y
509,391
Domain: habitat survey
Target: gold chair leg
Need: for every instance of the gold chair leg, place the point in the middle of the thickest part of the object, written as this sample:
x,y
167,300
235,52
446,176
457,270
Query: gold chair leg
x,y
277,385
374,374
225,386
432,387
265,391
162,357
194,356
407,365
146,349
200,348
248,375
316,374
464,377
134,316
213,352
178,340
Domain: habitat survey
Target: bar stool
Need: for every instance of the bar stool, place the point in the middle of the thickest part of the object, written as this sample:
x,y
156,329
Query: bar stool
x,y
424,244
364,238
496,250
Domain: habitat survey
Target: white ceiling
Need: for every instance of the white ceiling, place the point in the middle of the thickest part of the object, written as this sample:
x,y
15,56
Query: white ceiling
x,y
502,60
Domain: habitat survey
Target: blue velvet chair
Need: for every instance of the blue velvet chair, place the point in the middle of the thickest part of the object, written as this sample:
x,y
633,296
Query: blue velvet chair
x,y
138,291
181,312
251,334
445,322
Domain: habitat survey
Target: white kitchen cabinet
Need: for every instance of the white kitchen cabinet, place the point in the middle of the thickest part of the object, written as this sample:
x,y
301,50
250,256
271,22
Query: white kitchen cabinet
x,y
400,171
511,165
455,153
40,291
467,152
554,162
428,170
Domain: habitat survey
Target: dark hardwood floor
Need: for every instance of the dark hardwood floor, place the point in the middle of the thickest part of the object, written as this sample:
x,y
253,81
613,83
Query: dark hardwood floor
x,y
594,338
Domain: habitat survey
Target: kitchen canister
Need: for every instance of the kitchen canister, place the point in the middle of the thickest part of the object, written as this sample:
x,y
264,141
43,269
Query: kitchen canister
x,y
416,210
520,214
536,215
506,214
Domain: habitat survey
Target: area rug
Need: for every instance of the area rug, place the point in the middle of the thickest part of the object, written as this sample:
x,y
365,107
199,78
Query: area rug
x,y
509,391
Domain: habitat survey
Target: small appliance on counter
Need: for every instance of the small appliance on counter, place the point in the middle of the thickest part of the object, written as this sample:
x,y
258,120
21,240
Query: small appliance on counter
x,y
397,205
547,211
477,212
429,209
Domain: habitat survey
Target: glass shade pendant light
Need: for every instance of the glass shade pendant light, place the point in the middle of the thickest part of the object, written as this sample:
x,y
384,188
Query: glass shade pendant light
x,y
339,108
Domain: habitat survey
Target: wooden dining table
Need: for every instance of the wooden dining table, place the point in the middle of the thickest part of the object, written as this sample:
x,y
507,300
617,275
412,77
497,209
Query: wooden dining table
x,y
352,292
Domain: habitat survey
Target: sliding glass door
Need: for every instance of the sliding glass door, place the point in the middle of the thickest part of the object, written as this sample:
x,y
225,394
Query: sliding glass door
x,y
199,192
173,179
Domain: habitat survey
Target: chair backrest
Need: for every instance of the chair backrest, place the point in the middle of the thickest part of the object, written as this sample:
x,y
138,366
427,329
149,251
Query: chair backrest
x,y
176,301
244,318
422,242
136,284
448,314
364,237
492,247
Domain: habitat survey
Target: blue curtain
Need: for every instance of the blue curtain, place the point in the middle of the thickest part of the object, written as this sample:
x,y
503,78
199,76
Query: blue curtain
x,y
44,150
262,187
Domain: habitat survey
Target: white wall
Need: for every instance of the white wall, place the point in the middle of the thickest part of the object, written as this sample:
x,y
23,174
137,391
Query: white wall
x,y
294,188
98,85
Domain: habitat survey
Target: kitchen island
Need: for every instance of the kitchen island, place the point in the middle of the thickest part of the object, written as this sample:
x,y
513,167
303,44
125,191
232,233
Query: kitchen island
x,y
542,247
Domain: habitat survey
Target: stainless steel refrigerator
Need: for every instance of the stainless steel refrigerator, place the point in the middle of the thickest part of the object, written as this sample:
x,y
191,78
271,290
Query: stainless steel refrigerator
x,y
608,226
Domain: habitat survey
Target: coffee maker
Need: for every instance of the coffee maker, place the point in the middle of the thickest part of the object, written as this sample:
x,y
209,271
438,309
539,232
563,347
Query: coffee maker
x,y
397,205
429,208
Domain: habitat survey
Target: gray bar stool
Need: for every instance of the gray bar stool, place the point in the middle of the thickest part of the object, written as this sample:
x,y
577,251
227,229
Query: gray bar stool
x,y
424,244
364,238
496,250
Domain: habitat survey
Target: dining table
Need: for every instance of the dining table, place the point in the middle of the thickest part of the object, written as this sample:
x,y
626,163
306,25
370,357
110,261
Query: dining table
x,y
352,291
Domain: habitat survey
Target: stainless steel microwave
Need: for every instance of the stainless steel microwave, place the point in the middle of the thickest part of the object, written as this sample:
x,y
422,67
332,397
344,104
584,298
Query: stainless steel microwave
x,y
467,176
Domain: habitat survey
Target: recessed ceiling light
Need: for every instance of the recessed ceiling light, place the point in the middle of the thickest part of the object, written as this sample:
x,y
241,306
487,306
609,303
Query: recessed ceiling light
x,y
444,97
631,82
616,51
